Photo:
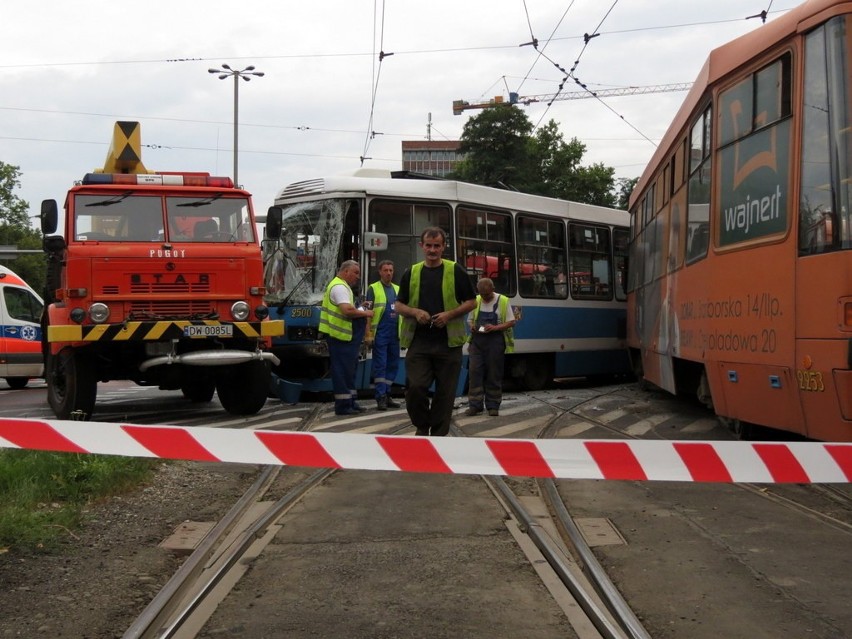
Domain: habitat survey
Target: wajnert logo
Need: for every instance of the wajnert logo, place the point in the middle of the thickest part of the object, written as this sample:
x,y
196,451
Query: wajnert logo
x,y
752,213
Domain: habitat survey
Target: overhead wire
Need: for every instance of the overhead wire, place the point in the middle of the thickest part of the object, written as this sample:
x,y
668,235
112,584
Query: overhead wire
x,y
218,57
370,133
534,41
376,75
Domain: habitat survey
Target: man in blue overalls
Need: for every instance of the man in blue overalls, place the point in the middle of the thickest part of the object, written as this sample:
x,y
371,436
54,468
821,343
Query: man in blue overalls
x,y
383,334
344,324
491,336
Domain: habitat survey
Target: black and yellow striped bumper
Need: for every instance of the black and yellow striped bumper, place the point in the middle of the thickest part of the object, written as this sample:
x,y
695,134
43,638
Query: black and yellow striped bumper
x,y
158,331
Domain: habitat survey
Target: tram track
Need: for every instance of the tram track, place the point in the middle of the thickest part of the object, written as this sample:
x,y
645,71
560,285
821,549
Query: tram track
x,y
591,588
170,613
823,495
563,547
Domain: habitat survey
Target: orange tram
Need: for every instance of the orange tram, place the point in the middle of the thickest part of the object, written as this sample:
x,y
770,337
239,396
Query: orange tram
x,y
740,277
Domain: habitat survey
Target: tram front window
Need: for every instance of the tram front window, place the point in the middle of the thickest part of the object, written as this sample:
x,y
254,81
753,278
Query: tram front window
x,y
303,260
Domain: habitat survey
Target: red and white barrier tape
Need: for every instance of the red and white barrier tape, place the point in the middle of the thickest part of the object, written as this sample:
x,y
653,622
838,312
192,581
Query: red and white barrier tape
x,y
694,461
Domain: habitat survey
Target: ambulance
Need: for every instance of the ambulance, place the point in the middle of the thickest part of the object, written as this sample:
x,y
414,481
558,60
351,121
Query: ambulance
x,y
20,331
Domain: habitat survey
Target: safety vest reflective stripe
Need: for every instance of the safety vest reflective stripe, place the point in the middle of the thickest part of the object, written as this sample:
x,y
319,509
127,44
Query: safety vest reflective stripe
x,y
332,322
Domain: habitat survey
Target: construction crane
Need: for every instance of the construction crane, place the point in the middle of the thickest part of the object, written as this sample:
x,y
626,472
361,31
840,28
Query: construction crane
x,y
462,105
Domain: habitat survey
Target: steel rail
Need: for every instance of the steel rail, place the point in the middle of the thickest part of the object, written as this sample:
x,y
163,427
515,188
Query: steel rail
x,y
164,601
236,551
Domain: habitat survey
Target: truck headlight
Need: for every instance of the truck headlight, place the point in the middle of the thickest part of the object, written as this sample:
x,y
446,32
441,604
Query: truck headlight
x,y
240,311
99,312
261,312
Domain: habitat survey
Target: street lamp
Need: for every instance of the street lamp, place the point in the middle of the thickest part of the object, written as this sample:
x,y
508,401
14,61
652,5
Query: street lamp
x,y
226,72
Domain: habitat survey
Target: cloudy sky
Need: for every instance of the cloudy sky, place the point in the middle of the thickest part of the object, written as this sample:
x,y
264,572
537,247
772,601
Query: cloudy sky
x,y
69,70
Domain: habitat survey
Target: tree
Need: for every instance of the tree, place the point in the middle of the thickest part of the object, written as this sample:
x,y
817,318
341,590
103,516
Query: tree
x,y
496,148
500,149
15,229
623,190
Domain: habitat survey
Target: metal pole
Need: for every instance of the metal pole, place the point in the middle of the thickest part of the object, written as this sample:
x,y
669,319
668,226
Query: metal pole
x,y
236,125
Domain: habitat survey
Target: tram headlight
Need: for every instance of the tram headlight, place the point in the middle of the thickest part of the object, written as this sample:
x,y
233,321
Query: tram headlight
x,y
99,312
261,312
240,311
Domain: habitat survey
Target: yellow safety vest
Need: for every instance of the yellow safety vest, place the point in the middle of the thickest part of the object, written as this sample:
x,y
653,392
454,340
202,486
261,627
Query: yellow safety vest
x,y
456,328
380,300
502,307
332,321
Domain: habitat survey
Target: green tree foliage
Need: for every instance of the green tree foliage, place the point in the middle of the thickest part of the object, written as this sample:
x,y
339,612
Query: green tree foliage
x,y
15,229
496,148
623,190
501,150
13,210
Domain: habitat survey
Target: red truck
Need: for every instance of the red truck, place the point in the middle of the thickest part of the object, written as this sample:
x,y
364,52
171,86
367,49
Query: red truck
x,y
157,279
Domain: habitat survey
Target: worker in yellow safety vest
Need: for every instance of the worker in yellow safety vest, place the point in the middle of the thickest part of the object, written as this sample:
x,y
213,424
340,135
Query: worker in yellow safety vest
x,y
434,297
345,327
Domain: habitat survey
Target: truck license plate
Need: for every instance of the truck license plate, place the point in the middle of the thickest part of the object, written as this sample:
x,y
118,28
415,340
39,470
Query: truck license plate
x,y
208,331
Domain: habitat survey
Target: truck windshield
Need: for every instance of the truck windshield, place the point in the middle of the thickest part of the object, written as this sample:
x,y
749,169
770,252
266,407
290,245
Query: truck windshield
x,y
209,219
131,217
301,263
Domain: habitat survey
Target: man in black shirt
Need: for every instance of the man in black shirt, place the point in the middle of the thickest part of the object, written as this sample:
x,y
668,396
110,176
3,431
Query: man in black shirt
x,y
434,297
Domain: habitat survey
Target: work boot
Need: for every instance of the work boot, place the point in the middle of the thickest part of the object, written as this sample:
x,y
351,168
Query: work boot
x,y
473,411
343,407
382,402
357,407
493,412
391,403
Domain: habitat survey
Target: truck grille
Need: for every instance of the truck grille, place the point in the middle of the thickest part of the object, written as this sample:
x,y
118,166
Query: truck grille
x,y
171,309
159,289
163,287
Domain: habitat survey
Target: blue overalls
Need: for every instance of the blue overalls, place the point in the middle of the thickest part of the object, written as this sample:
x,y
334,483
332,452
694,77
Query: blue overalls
x,y
386,344
486,361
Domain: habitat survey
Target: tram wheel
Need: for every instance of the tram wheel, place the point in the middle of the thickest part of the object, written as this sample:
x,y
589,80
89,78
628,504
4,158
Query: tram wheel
x,y
740,429
537,373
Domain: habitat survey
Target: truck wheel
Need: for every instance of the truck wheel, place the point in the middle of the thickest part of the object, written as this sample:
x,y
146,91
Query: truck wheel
x,y
242,389
17,383
71,384
198,388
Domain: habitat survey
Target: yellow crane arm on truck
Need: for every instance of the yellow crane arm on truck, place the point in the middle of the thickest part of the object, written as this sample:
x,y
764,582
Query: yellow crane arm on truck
x,y
125,151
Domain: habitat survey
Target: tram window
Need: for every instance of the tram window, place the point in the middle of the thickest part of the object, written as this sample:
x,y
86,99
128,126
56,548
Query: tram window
x,y
620,253
393,218
825,207
403,222
737,109
660,245
758,100
676,239
541,258
590,272
772,92
681,160
636,270
485,247
698,212
651,252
